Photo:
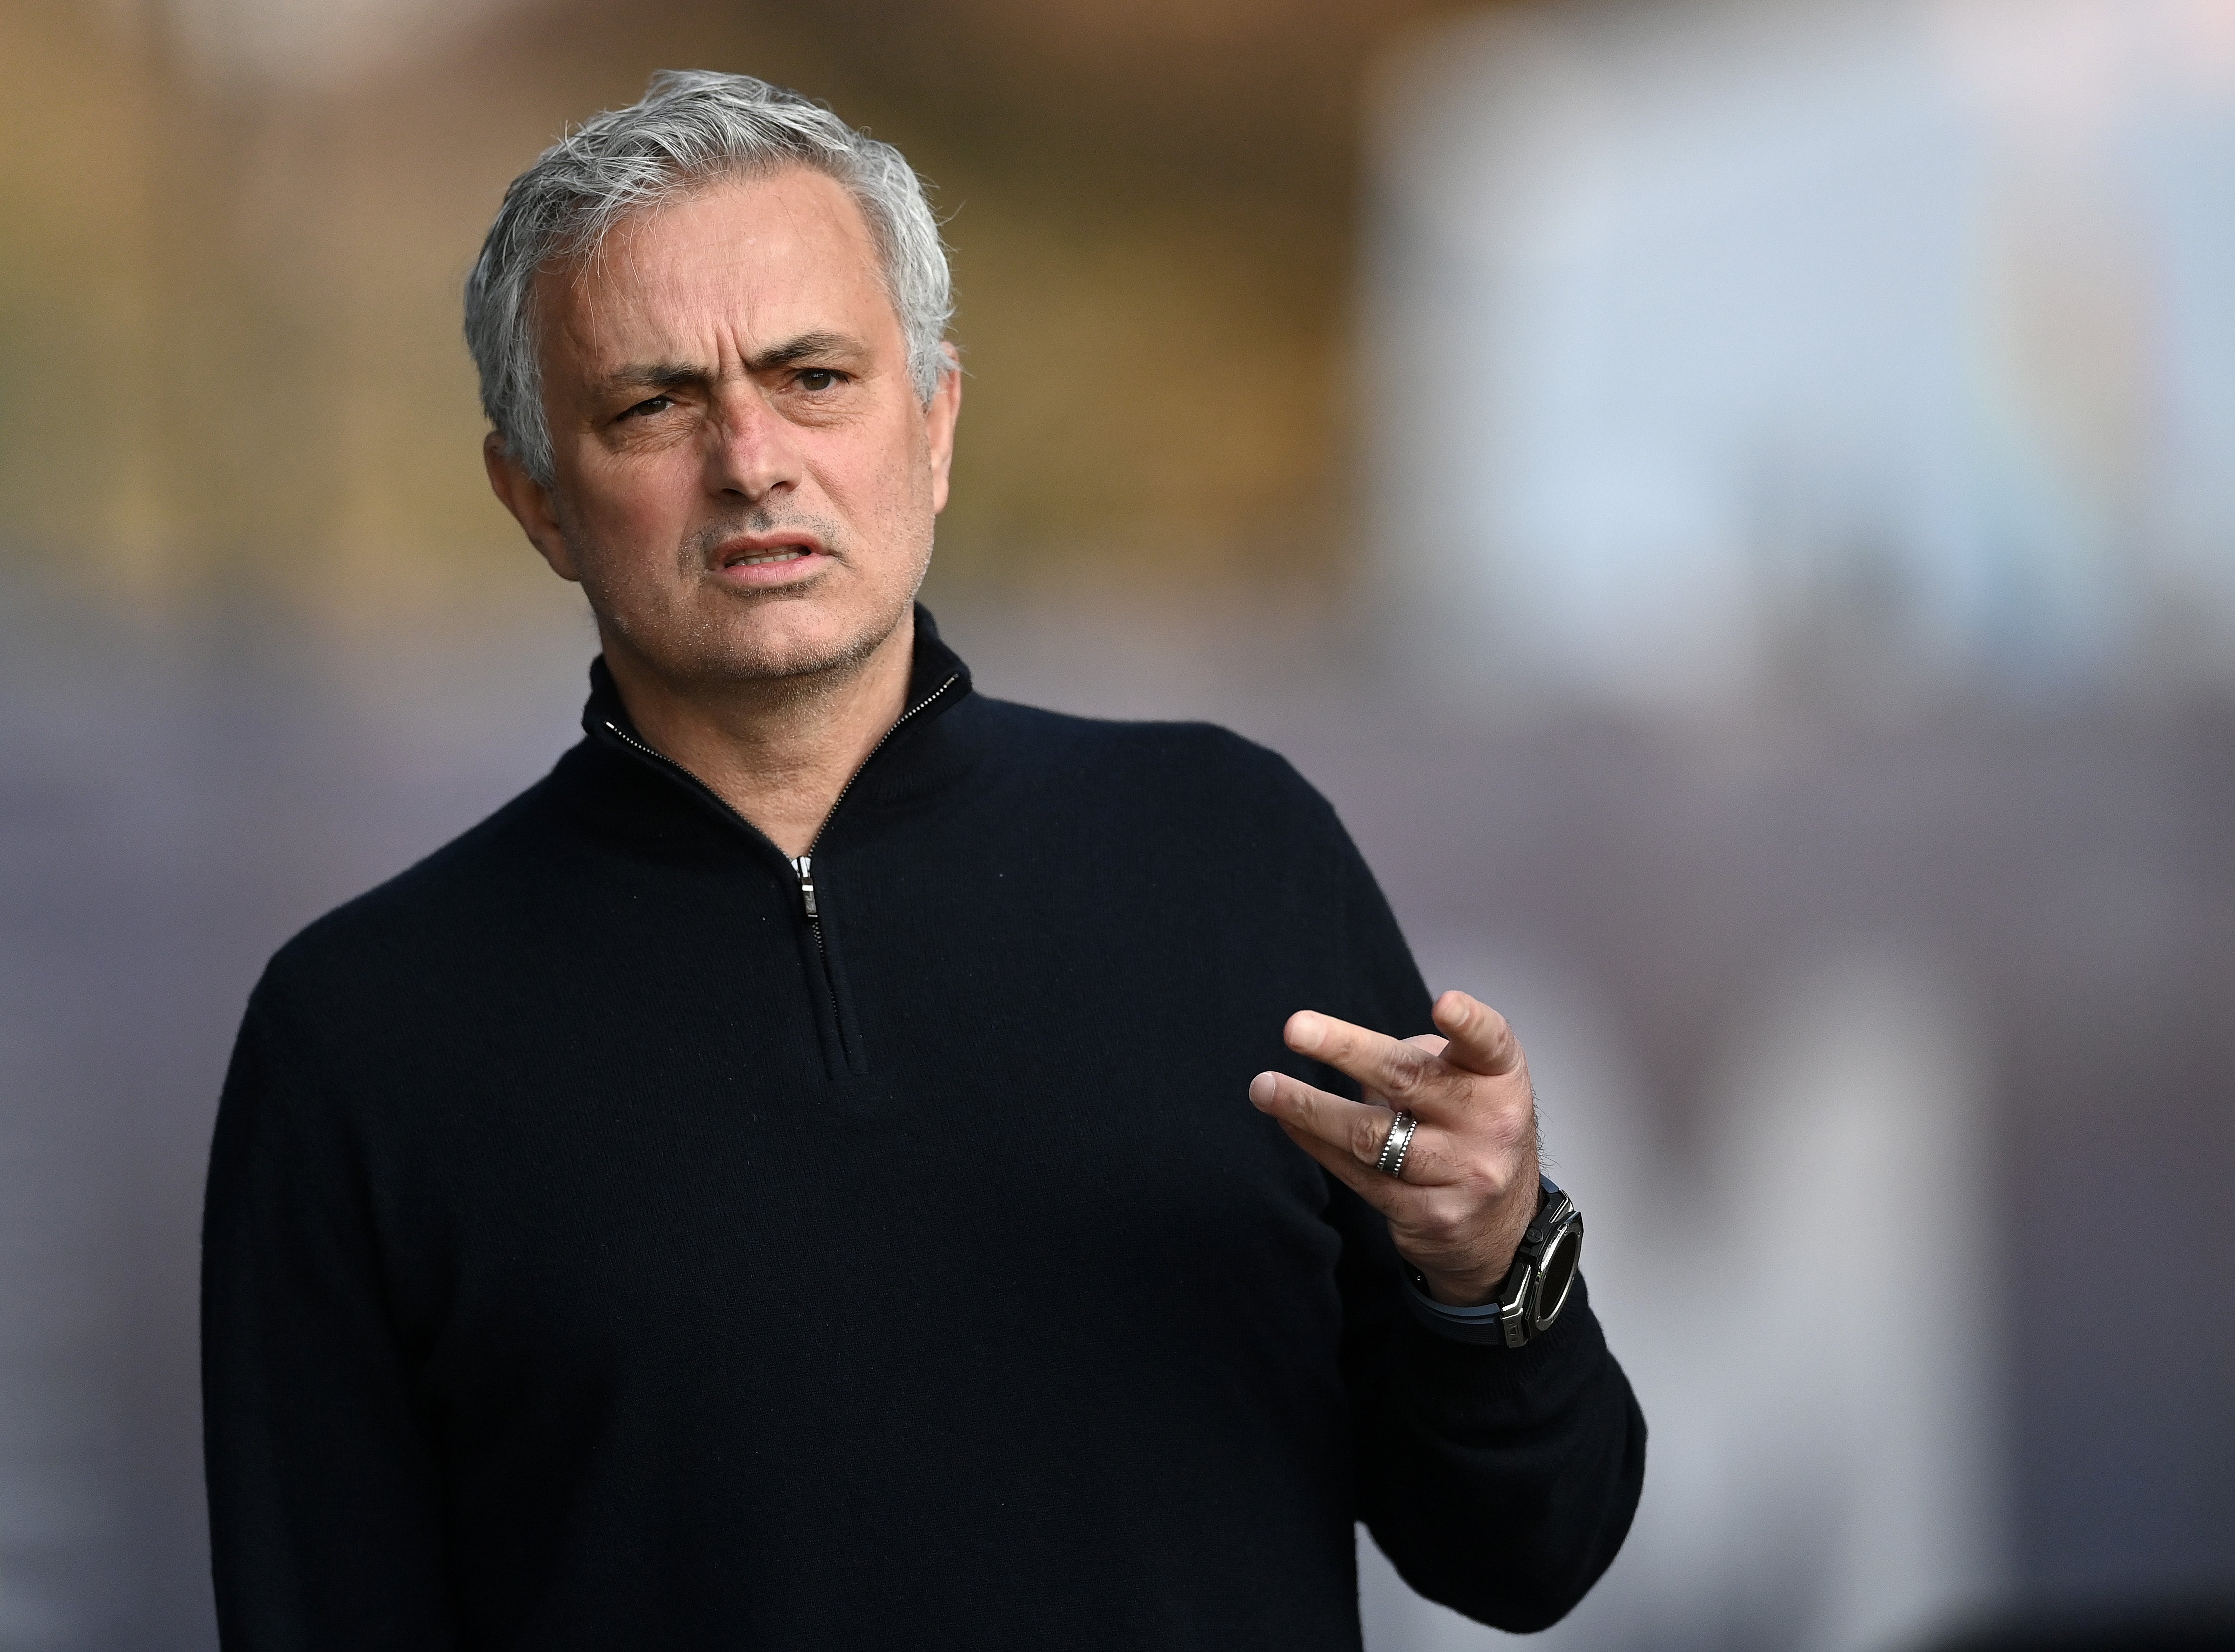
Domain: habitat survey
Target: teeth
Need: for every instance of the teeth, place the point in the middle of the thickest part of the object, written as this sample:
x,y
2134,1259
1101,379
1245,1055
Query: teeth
x,y
791,556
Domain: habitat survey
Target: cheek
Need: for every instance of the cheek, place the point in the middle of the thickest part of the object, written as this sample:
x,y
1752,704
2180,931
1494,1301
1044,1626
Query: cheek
x,y
637,491
619,535
629,516
902,483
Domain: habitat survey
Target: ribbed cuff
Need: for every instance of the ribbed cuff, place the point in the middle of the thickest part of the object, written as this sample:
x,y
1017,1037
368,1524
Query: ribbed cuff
x,y
1475,1392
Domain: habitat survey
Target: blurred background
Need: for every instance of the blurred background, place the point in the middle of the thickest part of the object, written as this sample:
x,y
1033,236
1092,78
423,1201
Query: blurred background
x,y
1734,500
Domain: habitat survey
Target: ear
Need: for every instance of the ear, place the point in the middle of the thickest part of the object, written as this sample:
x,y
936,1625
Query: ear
x,y
529,502
938,417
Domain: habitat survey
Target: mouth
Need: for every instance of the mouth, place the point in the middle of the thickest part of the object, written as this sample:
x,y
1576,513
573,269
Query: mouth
x,y
754,562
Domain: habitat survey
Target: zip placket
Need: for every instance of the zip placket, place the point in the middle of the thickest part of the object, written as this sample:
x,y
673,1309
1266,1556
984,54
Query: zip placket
x,y
803,866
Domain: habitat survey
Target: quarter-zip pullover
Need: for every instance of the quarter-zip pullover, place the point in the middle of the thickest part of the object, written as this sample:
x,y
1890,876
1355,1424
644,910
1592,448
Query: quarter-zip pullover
x,y
619,1235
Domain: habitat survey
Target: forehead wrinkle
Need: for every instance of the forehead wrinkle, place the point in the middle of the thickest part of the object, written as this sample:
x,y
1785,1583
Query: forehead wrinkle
x,y
614,287
796,217
577,261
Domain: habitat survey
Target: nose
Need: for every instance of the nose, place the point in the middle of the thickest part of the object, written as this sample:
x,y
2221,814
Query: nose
x,y
751,451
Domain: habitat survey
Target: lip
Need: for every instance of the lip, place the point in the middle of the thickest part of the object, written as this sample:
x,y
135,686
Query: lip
x,y
797,556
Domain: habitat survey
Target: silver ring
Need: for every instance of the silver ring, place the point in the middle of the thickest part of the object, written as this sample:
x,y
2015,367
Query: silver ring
x,y
1396,1145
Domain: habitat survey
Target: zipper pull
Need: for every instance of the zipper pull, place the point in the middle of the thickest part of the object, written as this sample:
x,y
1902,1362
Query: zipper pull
x,y
803,868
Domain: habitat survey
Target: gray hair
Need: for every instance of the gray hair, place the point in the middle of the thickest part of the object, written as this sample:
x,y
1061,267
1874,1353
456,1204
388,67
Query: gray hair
x,y
691,125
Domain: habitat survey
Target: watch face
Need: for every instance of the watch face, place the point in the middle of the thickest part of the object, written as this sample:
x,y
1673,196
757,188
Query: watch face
x,y
1556,1272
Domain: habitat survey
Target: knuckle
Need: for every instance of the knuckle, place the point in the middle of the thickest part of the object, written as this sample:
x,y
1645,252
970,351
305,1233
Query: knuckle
x,y
1511,1128
1464,1172
1408,1072
1456,1082
1485,1186
1367,1135
1440,1225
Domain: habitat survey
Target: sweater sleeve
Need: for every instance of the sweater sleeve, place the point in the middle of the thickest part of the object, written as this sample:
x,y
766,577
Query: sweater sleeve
x,y
325,1517
1498,1481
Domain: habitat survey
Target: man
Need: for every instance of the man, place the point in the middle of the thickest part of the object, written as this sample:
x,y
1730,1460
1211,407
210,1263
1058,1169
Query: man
x,y
790,1179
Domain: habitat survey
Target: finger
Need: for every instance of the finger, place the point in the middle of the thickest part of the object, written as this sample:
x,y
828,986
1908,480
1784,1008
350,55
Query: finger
x,y
1384,1193
1427,1043
1411,1078
1480,1039
1275,1092
1348,1132
1349,1127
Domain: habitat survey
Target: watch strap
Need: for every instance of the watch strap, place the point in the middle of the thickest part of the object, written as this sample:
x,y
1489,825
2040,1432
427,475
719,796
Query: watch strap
x,y
1484,1324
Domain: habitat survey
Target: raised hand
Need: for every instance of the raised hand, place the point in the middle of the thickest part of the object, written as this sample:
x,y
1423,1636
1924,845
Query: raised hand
x,y
1468,1187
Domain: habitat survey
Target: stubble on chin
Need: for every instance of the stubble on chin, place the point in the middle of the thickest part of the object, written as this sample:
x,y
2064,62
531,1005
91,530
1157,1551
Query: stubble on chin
x,y
701,634
731,642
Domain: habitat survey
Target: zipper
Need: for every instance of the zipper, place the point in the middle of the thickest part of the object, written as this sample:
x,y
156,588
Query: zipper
x,y
803,866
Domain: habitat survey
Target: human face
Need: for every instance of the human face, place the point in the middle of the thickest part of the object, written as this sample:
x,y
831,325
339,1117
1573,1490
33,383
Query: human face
x,y
745,479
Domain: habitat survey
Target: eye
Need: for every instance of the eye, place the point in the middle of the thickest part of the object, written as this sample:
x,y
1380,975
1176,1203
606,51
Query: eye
x,y
646,409
813,380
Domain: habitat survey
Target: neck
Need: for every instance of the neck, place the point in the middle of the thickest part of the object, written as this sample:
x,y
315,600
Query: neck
x,y
779,751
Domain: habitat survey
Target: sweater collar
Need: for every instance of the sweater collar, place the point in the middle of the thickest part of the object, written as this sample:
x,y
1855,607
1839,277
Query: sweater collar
x,y
620,780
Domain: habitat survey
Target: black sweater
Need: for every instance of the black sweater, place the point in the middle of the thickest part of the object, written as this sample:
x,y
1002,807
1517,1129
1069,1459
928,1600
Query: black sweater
x,y
600,1255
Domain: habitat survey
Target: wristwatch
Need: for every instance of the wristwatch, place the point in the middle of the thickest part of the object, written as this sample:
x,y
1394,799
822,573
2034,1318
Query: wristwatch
x,y
1536,1287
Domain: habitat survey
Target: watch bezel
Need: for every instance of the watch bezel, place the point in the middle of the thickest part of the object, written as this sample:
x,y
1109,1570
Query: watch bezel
x,y
1568,1229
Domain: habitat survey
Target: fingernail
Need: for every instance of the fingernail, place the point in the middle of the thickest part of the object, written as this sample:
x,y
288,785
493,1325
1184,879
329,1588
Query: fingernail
x,y
1264,1090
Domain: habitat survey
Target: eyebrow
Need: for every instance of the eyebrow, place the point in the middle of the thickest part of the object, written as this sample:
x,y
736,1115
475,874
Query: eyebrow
x,y
671,375
803,348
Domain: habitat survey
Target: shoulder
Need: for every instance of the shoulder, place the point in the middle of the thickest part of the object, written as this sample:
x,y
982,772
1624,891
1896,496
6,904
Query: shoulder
x,y
408,923
1163,756
1196,782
